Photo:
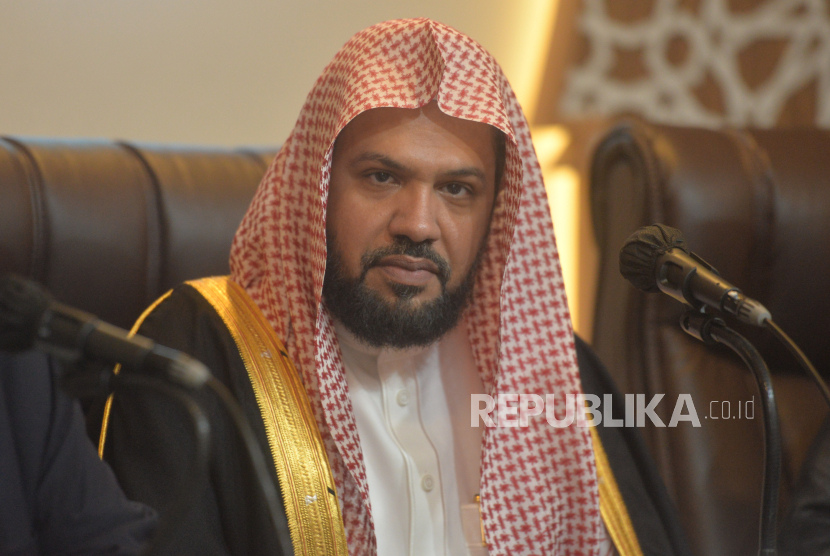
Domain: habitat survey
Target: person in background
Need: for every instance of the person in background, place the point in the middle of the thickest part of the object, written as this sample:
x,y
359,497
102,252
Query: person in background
x,y
806,525
56,495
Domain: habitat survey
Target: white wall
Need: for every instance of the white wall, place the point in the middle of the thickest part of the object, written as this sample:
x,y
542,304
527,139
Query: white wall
x,y
218,72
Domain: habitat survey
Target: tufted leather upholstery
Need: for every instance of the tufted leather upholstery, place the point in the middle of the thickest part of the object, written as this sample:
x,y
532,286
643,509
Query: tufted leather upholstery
x,y
109,226
755,205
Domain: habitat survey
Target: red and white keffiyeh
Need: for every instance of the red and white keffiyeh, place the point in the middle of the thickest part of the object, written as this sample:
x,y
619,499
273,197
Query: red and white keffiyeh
x,y
538,484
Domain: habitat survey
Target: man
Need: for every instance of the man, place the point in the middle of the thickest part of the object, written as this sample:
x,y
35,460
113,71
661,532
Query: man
x,y
397,258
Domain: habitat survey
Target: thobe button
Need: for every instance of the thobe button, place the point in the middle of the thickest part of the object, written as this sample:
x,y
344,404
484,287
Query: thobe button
x,y
427,483
402,398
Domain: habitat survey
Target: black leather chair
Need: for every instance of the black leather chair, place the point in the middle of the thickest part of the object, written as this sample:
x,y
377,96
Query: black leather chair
x,y
110,226
756,205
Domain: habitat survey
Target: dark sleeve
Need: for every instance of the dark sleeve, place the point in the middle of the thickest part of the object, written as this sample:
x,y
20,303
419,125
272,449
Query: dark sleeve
x,y
652,513
151,446
56,496
806,527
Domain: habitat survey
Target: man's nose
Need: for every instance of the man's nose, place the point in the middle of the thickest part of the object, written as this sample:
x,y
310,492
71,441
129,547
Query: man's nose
x,y
416,214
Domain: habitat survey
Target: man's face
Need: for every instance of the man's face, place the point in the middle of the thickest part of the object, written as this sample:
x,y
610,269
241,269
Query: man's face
x,y
409,207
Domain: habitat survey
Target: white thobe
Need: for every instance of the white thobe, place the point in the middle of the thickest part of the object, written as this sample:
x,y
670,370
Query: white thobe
x,y
412,410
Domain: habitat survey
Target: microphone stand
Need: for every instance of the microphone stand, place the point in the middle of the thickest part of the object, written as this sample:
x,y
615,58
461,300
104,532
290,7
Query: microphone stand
x,y
712,330
88,378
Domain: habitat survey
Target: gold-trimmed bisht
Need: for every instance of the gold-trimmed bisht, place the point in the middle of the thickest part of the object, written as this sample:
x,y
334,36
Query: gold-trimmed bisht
x,y
297,449
612,506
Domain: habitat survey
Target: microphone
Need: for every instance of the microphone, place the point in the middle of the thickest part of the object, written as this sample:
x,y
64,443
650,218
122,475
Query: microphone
x,y
30,318
655,258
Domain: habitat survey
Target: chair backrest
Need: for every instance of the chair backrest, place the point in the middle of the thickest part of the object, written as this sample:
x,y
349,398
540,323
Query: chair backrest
x,y
109,226
755,205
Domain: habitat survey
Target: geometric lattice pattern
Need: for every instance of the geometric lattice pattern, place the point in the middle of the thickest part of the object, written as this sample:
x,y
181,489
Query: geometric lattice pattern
x,y
706,63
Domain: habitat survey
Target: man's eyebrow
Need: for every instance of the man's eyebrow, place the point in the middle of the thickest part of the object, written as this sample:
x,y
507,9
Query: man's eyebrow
x,y
466,172
395,165
378,157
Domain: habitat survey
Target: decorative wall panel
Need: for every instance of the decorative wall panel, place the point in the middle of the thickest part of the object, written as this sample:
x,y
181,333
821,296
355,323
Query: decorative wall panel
x,y
762,63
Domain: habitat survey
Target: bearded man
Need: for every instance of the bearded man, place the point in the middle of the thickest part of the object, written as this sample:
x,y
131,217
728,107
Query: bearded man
x,y
397,258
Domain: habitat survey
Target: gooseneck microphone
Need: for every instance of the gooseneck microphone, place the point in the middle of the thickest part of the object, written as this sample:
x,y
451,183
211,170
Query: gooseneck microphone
x,y
655,258
30,318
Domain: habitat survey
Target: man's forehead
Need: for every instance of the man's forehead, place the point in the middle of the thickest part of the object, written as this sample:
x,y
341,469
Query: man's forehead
x,y
381,120
376,120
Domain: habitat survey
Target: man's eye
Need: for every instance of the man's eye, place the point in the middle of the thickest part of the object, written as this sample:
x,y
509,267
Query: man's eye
x,y
456,189
380,177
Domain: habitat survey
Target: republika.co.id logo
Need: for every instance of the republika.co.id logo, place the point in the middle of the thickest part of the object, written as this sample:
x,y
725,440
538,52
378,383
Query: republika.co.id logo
x,y
516,410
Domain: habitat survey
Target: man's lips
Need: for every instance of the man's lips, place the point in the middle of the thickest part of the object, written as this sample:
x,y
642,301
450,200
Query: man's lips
x,y
409,263
408,270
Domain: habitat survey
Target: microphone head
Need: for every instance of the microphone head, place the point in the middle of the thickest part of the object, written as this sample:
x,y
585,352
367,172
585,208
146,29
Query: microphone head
x,y
639,254
22,305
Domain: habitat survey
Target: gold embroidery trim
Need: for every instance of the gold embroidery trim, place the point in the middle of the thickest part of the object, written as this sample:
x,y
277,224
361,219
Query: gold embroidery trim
x,y
611,505
108,406
297,449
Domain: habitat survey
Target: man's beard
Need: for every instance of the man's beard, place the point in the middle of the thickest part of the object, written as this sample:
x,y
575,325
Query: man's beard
x,y
402,323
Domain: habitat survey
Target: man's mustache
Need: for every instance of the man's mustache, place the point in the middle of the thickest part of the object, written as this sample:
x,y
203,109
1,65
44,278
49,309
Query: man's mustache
x,y
409,248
